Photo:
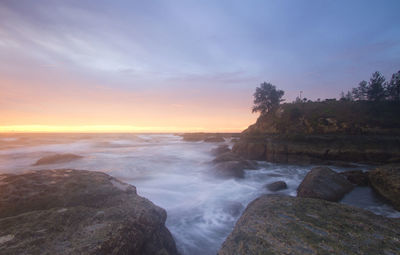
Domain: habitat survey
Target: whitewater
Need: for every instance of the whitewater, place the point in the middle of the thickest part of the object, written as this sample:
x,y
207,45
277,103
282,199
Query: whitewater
x,y
175,175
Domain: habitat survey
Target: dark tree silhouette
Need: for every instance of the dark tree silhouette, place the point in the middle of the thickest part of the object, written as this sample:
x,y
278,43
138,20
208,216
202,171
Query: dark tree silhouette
x,y
360,93
267,98
376,91
393,87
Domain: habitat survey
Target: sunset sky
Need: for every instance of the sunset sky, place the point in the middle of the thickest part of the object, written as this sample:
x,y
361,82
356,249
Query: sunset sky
x,y
167,66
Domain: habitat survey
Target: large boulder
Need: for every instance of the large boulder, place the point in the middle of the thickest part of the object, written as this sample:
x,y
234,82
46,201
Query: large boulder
x,y
78,212
276,224
57,158
324,183
386,181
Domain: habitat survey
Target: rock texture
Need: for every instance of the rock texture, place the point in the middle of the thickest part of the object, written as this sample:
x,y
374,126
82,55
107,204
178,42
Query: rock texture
x,y
229,164
276,186
78,212
323,183
57,158
319,149
357,177
386,181
275,224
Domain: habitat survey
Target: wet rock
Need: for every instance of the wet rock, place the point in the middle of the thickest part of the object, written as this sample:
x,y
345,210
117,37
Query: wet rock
x,y
276,186
255,151
324,183
277,224
357,177
227,156
78,212
57,158
386,181
216,139
223,148
229,169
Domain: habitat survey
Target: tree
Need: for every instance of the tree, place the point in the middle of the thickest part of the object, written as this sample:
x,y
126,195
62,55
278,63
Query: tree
x,y
266,98
393,87
360,93
376,91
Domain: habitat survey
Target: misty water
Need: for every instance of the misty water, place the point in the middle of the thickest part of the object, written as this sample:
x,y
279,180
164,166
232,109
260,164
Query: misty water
x,y
175,175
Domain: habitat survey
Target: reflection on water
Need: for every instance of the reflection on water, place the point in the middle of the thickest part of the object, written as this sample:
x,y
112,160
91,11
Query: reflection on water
x,y
174,174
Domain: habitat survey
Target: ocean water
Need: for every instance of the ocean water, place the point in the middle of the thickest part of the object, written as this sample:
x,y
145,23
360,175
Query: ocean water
x,y
175,175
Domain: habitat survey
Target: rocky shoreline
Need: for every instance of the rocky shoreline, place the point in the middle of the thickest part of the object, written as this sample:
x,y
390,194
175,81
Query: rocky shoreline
x,y
78,212
85,212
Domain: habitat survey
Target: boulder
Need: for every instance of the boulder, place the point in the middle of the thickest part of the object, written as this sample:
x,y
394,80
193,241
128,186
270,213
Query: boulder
x,y
234,168
277,224
57,158
223,148
324,183
357,177
78,212
386,181
276,186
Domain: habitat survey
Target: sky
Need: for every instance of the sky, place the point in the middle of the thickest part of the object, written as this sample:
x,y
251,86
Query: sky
x,y
178,66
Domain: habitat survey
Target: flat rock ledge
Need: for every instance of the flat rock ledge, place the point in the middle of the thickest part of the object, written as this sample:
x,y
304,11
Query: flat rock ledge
x,y
277,224
78,212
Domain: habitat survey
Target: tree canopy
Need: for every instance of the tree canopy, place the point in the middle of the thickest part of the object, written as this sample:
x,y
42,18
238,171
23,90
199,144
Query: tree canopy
x,y
267,98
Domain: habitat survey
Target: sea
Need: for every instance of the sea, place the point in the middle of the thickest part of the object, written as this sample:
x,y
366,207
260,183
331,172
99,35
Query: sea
x,y
174,174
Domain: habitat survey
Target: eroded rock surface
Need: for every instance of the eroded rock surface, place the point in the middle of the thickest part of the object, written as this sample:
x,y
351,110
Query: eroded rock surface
x,y
324,183
277,224
78,212
386,181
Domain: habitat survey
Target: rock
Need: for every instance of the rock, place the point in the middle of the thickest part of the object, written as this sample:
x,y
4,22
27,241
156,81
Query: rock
x,y
227,156
356,177
234,168
229,169
57,158
78,212
323,183
277,224
386,181
223,148
216,139
255,151
276,186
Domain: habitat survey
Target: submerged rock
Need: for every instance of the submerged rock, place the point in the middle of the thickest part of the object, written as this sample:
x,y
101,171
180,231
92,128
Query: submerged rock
x,y
223,148
324,183
78,212
57,158
357,177
276,186
386,181
276,224
227,156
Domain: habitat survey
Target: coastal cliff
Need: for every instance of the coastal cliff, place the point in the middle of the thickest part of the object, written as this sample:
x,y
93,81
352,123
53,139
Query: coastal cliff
x,y
320,132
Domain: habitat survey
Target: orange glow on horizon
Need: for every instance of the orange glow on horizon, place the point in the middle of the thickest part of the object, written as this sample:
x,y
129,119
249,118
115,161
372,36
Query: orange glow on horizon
x,y
106,129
